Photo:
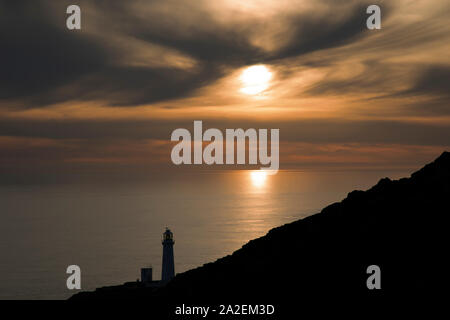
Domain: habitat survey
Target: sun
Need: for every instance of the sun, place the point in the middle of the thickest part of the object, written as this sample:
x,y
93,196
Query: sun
x,y
258,178
255,79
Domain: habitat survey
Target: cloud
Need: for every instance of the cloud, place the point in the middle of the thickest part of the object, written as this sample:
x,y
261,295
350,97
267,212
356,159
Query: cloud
x,y
48,64
433,79
335,26
354,86
36,56
307,130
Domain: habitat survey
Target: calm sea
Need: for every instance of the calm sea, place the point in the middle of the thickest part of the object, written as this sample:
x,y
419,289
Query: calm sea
x,y
111,230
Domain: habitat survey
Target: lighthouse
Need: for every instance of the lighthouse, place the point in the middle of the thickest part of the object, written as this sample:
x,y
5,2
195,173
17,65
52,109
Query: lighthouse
x,y
168,266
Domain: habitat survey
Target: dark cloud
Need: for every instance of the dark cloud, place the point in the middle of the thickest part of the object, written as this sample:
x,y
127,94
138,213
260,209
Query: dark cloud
x,y
212,43
428,94
432,90
433,79
37,56
44,63
374,76
382,80
336,26
308,130
231,44
131,86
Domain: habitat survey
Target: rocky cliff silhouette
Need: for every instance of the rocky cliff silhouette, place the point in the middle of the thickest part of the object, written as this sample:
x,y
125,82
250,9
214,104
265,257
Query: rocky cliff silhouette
x,y
397,225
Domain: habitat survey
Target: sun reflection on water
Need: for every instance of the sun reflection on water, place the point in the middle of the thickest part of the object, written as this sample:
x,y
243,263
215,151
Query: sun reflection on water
x,y
258,178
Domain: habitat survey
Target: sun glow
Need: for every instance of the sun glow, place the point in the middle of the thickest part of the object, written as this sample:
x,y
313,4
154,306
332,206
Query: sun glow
x,y
258,178
255,79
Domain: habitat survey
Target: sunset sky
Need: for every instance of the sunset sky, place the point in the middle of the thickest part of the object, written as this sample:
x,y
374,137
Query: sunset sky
x,y
111,93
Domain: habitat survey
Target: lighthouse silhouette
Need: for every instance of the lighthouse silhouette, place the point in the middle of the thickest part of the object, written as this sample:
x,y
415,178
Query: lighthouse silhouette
x,y
168,266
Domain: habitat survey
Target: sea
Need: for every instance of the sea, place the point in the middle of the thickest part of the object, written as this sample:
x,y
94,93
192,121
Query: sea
x,y
112,229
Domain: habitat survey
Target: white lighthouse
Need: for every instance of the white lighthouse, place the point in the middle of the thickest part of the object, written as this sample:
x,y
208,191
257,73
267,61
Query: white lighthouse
x,y
168,265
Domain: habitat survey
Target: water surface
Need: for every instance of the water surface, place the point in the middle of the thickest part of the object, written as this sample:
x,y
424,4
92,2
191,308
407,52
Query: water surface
x,y
111,230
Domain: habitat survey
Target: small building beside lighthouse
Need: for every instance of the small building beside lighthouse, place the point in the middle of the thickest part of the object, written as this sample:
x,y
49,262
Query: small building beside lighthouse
x,y
147,275
168,263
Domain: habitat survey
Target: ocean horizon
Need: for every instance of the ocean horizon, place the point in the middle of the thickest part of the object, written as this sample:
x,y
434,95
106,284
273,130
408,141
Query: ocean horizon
x,y
111,230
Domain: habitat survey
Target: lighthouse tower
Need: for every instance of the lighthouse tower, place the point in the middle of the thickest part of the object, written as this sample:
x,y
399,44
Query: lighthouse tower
x,y
168,267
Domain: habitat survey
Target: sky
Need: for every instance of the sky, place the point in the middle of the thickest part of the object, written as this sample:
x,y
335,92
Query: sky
x,y
109,95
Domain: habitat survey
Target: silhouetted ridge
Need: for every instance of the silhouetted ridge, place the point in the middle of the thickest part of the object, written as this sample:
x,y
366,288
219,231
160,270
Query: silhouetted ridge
x,y
438,170
397,225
